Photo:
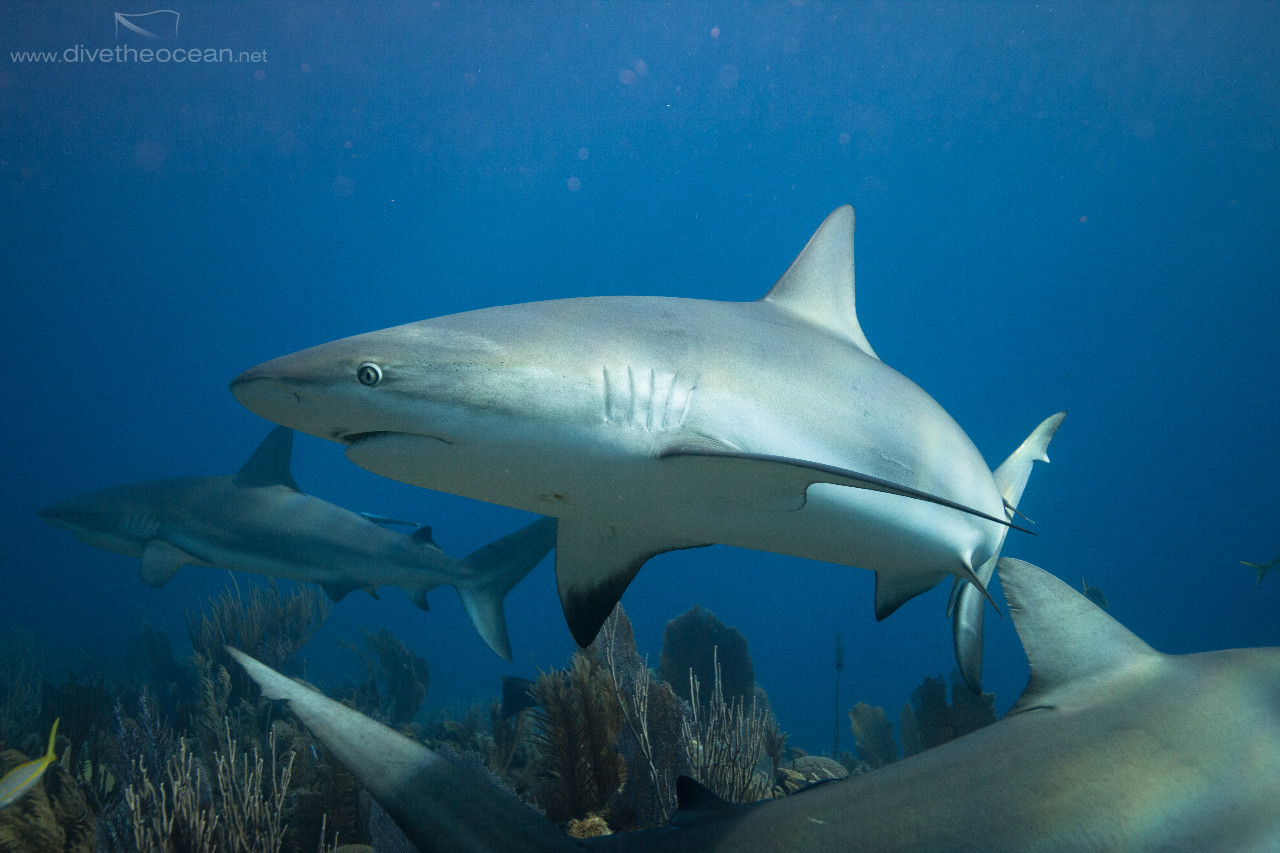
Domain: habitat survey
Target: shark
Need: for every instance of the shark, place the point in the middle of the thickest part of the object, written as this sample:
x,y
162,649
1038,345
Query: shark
x,y
1262,568
649,424
1111,746
259,521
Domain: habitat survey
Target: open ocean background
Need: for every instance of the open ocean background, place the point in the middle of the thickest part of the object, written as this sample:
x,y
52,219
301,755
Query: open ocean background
x,y
1059,206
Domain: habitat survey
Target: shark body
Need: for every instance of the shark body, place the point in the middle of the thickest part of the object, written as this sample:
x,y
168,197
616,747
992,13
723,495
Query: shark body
x,y
1262,568
649,424
259,521
1112,746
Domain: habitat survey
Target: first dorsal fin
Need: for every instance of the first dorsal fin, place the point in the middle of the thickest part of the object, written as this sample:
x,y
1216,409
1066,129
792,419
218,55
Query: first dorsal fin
x,y
269,464
818,286
1066,636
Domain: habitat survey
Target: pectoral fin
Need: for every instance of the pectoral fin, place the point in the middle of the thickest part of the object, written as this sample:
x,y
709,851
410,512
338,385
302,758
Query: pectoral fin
x,y
782,480
161,561
594,564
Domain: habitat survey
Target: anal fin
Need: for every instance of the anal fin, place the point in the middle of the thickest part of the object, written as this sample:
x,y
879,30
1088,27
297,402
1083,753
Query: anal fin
x,y
893,589
595,562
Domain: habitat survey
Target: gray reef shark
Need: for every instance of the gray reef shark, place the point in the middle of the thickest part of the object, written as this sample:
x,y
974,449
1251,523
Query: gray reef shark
x,y
1112,746
258,521
648,424
1262,568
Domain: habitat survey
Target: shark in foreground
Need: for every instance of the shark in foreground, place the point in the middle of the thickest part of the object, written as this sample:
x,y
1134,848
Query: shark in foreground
x,y
649,424
258,521
1112,746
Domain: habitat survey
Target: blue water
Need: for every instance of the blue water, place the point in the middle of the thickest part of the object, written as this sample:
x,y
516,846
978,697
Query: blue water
x,y
1059,206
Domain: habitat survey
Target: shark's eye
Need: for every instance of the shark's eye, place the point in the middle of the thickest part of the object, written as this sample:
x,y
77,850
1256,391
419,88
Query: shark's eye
x,y
369,374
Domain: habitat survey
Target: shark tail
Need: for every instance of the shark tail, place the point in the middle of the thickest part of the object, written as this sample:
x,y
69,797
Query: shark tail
x,y
440,804
966,603
493,570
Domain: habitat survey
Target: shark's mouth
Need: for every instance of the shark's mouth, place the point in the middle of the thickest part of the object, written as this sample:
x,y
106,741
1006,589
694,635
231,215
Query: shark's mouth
x,y
412,458
353,438
357,437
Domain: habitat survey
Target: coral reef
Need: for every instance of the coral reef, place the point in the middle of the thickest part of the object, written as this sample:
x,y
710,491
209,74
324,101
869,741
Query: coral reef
x,y
21,676
84,709
652,739
183,811
574,729
598,745
506,734
515,695
270,625
591,826
403,675
327,801
695,640
143,743
726,742
927,720
127,783
174,679
53,817
803,771
872,735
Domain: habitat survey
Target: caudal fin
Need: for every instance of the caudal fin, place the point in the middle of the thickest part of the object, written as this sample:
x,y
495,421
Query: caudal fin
x,y
493,570
966,600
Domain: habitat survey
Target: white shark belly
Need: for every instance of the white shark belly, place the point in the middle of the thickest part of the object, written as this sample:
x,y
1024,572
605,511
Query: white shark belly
x,y
606,485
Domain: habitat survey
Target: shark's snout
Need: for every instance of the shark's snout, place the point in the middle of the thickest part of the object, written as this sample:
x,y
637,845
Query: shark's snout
x,y
264,393
286,393
63,517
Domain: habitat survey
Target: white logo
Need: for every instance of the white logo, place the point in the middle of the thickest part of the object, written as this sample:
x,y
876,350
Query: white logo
x,y
160,27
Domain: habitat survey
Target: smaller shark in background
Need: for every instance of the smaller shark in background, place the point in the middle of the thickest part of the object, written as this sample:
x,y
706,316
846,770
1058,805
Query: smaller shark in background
x,y
1262,568
259,521
1112,746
